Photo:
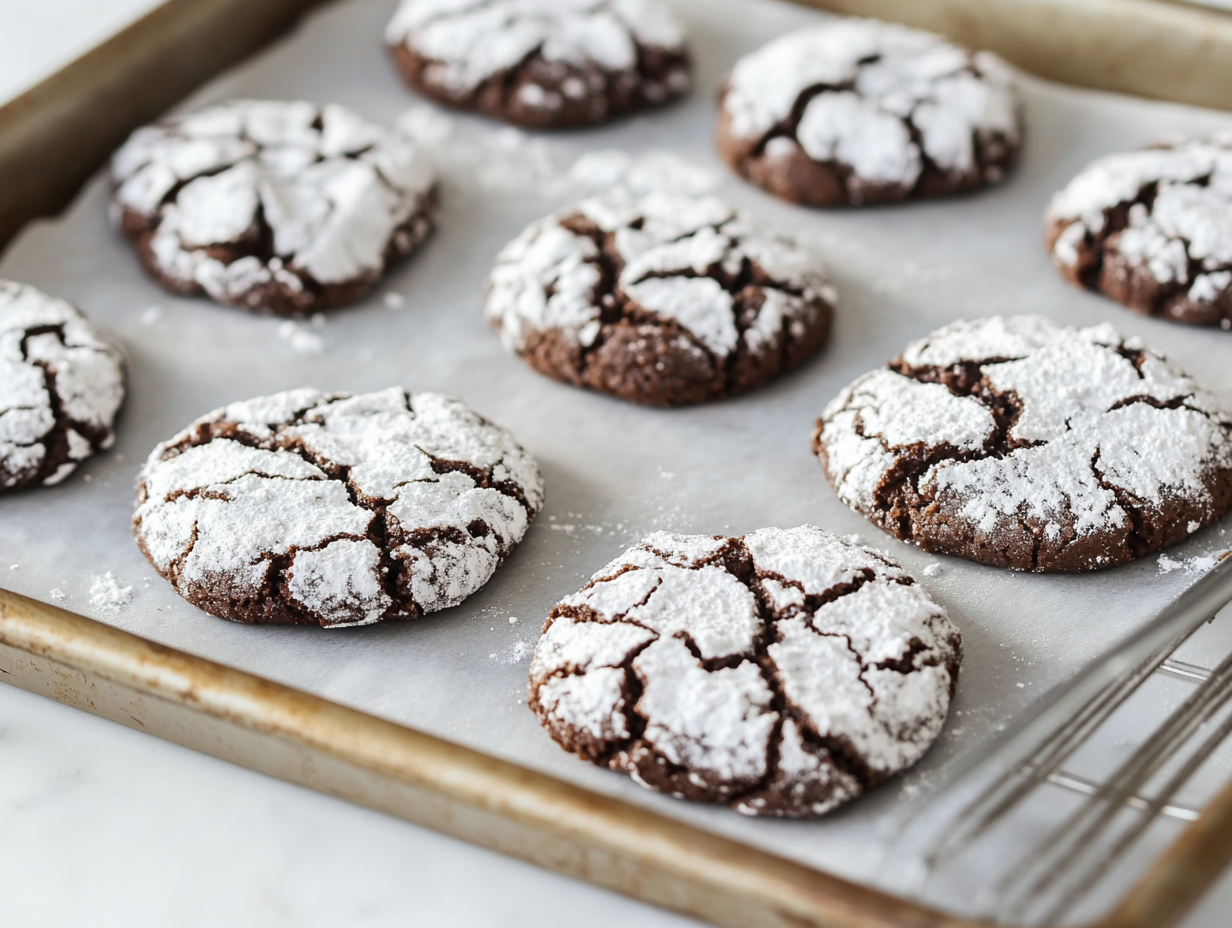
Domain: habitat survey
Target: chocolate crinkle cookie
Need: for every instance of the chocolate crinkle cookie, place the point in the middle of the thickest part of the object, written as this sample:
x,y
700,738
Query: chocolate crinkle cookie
x,y
542,63
1152,229
1020,443
858,111
311,508
783,672
61,386
271,206
664,300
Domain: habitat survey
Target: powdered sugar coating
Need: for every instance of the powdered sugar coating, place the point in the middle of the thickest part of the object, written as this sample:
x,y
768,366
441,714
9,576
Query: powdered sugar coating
x,y
688,265
783,672
61,386
557,63
1018,442
1153,229
285,207
883,105
313,508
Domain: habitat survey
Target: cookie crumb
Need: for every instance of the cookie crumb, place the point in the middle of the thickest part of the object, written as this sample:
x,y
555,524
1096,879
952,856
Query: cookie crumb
x,y
1193,527
513,620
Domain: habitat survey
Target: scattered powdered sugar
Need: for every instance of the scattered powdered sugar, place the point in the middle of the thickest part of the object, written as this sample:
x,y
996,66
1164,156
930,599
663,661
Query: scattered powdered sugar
x,y
302,340
670,604
507,161
426,125
61,385
471,40
296,482
105,593
546,278
890,96
516,653
334,189
1095,421
933,570
57,595
1193,566
612,169
151,315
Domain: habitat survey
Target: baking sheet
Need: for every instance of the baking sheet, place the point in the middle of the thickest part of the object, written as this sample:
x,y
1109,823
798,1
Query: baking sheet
x,y
613,471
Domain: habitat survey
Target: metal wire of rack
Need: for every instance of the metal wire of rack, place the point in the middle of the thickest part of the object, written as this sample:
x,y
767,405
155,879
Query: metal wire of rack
x,y
1016,835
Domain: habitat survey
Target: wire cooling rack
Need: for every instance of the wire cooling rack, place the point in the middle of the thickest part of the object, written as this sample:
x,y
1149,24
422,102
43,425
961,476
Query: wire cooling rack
x,y
1060,815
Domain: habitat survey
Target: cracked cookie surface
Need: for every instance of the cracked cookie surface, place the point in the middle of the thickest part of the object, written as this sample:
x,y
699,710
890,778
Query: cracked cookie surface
x,y
858,111
61,386
1020,443
311,508
542,63
1152,229
783,672
272,206
662,300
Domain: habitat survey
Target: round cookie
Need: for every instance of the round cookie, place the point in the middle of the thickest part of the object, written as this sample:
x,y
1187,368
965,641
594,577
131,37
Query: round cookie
x,y
783,672
663,300
542,63
308,508
1152,229
61,386
858,111
1020,443
275,207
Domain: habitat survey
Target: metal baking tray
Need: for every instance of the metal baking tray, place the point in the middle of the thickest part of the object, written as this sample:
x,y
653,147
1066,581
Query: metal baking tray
x,y
426,720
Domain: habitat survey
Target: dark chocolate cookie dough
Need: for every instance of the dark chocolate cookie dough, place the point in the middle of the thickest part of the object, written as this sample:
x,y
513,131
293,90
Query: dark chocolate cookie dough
x,y
782,673
1020,443
858,111
310,508
542,63
272,206
662,300
61,385
1152,229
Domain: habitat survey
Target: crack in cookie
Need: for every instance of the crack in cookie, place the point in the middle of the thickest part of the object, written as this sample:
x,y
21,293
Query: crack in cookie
x,y
1152,229
61,387
332,509
541,63
857,111
271,206
782,673
1019,443
662,300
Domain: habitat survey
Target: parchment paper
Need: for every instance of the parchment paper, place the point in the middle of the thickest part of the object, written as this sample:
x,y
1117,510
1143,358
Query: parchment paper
x,y
613,471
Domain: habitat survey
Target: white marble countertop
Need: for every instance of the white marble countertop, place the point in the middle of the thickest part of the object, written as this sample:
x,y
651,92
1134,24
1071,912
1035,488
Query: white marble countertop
x,y
100,825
